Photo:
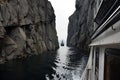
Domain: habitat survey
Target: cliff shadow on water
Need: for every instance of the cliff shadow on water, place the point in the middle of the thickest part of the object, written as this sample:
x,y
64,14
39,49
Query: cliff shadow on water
x,y
31,68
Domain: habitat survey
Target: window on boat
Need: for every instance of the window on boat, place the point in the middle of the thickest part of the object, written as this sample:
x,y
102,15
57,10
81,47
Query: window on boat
x,y
112,64
106,9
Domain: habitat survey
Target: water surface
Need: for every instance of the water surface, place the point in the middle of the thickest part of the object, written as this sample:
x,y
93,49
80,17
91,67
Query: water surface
x,y
64,64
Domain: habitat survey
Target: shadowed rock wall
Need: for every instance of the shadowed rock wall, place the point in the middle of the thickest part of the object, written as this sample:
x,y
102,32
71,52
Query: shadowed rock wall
x,y
81,24
27,27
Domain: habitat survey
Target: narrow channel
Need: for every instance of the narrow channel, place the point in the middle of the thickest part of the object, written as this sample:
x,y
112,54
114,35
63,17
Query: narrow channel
x,y
67,63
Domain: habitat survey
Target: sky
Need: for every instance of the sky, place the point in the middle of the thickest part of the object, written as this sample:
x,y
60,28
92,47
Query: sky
x,y
63,9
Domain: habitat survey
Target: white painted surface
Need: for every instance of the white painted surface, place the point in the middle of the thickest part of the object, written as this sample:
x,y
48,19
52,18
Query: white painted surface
x,y
109,37
101,63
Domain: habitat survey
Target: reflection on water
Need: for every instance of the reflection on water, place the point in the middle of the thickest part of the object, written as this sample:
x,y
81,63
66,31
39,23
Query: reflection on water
x,y
64,64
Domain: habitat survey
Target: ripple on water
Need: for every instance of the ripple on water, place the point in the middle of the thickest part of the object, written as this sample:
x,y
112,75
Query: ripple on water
x,y
64,64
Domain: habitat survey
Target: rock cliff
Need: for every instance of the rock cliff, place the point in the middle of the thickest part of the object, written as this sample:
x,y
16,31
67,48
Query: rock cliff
x,y
27,27
81,24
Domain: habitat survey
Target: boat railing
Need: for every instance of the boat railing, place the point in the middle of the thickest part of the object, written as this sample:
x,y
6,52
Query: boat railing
x,y
86,74
110,21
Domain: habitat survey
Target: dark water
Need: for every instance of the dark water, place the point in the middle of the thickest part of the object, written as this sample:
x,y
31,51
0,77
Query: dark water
x,y
63,64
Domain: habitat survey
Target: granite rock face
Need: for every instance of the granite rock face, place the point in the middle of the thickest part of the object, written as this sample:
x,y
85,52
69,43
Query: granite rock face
x,y
27,27
81,24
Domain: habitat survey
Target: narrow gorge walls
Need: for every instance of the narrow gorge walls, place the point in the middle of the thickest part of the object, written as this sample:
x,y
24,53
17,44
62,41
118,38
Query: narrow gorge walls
x,y
27,27
81,24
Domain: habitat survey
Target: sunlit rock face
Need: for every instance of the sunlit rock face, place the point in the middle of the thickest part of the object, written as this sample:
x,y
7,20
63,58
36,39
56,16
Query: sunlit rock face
x,y
27,27
81,24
